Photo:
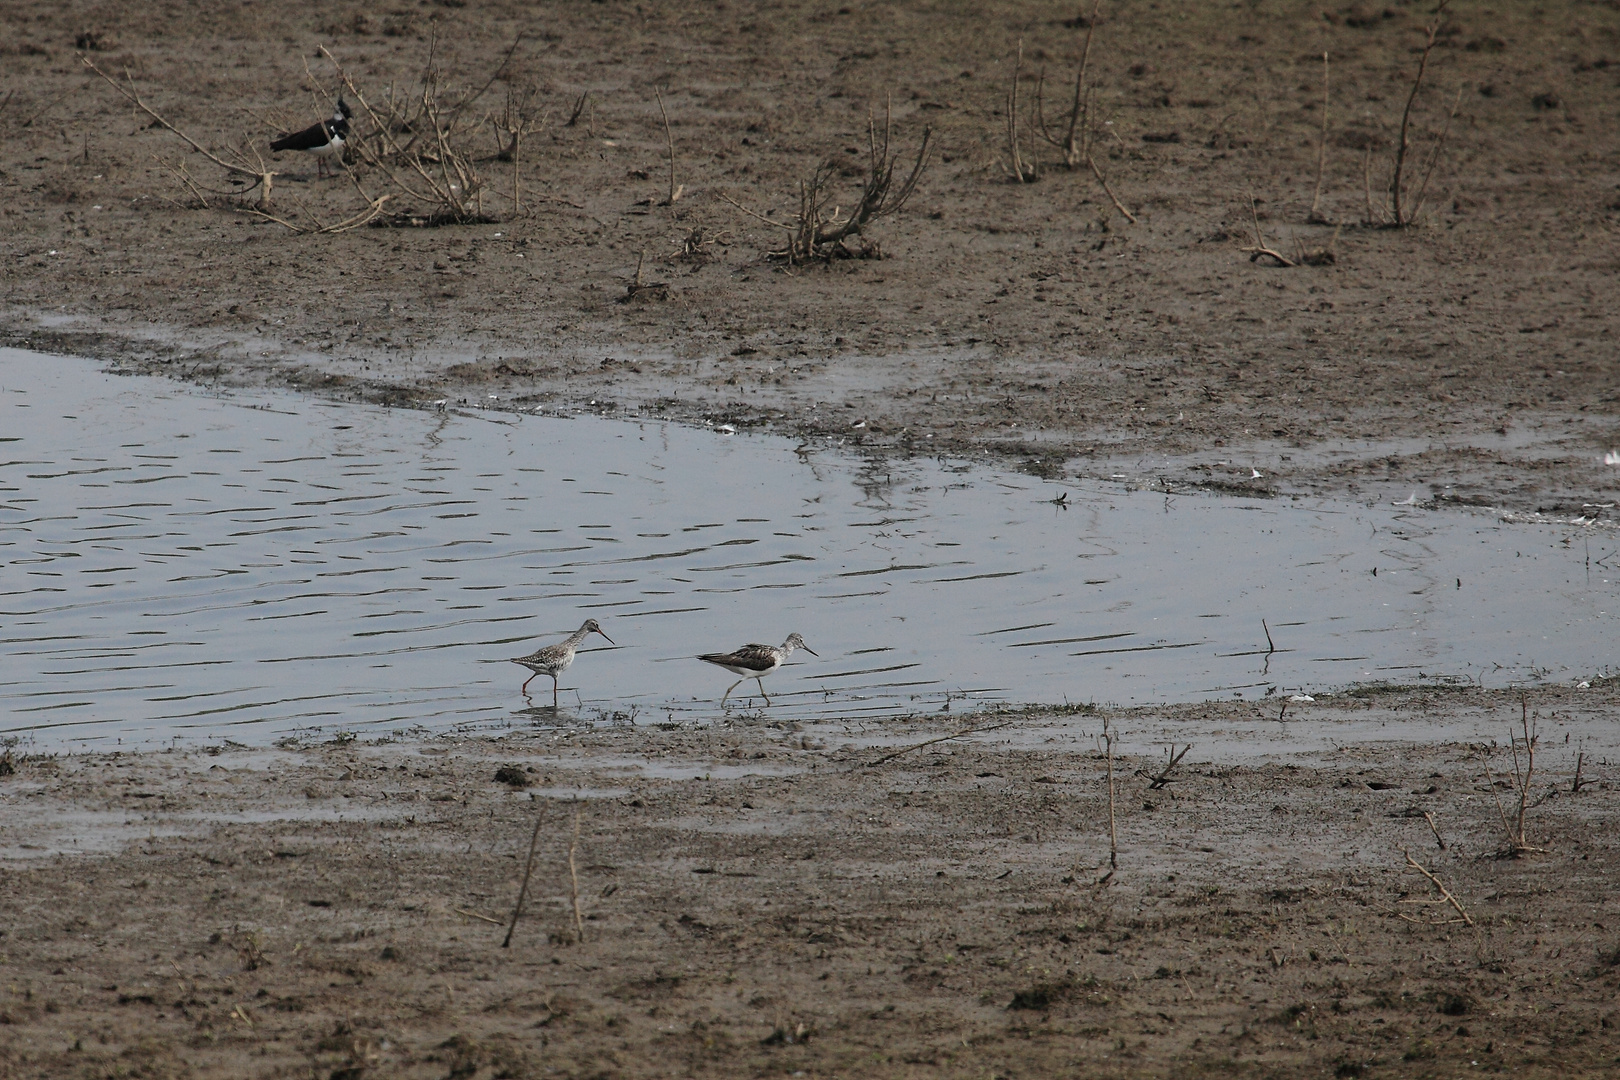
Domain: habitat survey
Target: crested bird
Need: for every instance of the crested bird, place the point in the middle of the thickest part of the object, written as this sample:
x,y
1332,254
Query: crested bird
x,y
324,140
553,660
755,661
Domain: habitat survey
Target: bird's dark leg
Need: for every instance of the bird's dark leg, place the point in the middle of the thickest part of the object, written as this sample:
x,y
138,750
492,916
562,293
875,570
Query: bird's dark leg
x,y
727,694
554,691
762,692
526,682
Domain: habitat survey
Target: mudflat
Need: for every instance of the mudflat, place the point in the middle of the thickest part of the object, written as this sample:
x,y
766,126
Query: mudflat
x,y
914,898
755,898
1468,358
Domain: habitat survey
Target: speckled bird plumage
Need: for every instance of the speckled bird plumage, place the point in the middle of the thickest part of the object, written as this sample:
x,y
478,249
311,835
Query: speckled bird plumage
x,y
553,660
755,661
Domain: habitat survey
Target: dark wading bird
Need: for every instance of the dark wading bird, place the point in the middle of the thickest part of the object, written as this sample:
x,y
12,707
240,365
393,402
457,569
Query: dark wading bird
x,y
755,662
553,660
324,140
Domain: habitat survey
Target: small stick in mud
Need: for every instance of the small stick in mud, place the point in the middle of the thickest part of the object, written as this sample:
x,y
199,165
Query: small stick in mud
x,y
1434,829
1576,784
669,141
1402,216
1113,832
1260,249
1445,893
1518,842
573,879
1163,777
1315,217
1022,172
886,758
523,890
579,107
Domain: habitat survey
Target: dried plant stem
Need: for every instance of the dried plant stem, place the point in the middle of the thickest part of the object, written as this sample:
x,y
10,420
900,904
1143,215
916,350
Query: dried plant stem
x,y
669,141
1401,216
573,880
1256,252
1113,831
1163,776
1103,180
1445,893
930,742
1434,156
1518,841
1022,172
1434,829
579,107
523,890
262,177
1315,215
1366,187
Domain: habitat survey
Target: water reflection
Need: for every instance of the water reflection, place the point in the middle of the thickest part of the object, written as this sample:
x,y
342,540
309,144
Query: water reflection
x,y
181,564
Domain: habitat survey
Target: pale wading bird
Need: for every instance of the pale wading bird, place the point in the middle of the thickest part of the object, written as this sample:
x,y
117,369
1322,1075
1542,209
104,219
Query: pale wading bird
x,y
324,140
755,662
553,660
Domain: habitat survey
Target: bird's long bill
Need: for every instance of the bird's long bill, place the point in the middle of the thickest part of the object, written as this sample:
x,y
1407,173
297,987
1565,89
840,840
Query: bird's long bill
x,y
809,650
610,641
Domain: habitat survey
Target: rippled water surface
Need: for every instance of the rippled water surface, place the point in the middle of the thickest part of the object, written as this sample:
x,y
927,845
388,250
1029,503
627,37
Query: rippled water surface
x,y
180,564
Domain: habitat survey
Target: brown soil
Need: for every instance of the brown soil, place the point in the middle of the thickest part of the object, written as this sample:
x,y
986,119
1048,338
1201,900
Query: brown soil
x,y
769,903
761,900
1027,317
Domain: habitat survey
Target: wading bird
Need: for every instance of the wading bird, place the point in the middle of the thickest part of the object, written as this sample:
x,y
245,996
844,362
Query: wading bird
x,y
755,662
553,660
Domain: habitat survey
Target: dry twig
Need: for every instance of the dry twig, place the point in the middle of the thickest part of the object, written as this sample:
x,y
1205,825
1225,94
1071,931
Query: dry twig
x,y
261,175
1163,777
1517,840
817,232
886,758
573,880
1022,172
1255,252
1315,217
669,141
523,890
1445,894
1401,216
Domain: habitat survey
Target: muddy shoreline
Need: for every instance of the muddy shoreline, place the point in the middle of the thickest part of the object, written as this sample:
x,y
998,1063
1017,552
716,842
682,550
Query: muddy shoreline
x,y
836,900
778,900
1469,360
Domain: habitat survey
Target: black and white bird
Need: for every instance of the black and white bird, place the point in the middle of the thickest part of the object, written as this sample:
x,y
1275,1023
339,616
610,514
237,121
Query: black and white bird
x,y
553,660
755,662
324,140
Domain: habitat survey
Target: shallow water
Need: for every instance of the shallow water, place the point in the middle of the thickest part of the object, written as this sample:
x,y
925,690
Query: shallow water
x,y
181,565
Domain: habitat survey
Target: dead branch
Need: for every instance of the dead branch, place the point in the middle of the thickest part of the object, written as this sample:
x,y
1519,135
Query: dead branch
x,y
523,890
1022,172
1434,156
669,141
573,880
1113,832
1315,216
1445,893
1075,134
817,231
1517,840
1434,829
1259,249
1431,33
886,758
1162,778
263,177
579,107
